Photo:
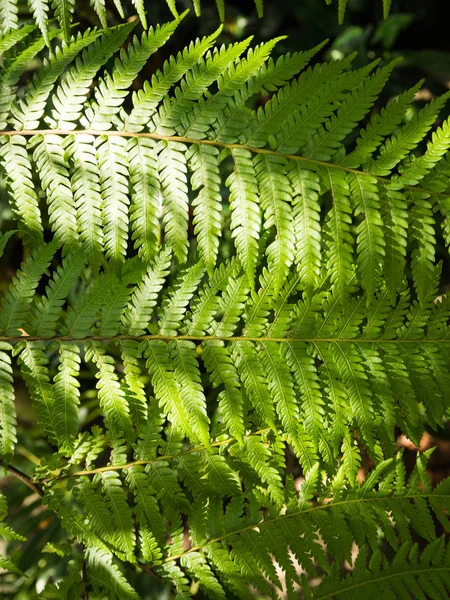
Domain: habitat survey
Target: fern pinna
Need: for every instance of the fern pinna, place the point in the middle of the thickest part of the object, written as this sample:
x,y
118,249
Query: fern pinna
x,y
250,289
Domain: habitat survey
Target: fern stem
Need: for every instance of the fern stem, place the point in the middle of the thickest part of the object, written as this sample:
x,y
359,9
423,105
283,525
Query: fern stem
x,y
154,460
217,144
208,338
311,509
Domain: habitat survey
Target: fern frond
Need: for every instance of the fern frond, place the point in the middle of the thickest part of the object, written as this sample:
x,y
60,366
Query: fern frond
x,y
186,416
71,93
8,419
249,351
145,101
207,113
151,532
11,75
33,363
289,98
275,194
245,212
105,576
28,112
67,396
422,575
54,173
324,144
370,240
14,36
397,147
8,16
113,170
306,223
16,302
63,11
381,125
422,234
138,314
174,193
174,305
195,83
111,395
338,239
297,129
114,88
39,9
203,162
116,501
145,196
23,197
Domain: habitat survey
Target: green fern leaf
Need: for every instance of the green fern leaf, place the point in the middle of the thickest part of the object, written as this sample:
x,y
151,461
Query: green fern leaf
x,y
275,203
145,101
86,193
173,307
33,363
54,173
199,120
203,162
370,240
326,141
8,16
304,122
174,192
64,10
39,9
14,36
112,90
16,302
422,234
113,171
151,532
71,93
195,83
11,75
28,112
397,147
188,377
8,419
338,240
138,314
112,398
105,577
145,196
23,197
245,215
66,397
185,415
254,381
381,125
116,501
289,98
306,223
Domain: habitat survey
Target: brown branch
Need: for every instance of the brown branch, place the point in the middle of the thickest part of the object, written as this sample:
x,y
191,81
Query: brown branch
x,y
135,463
24,478
216,143
211,338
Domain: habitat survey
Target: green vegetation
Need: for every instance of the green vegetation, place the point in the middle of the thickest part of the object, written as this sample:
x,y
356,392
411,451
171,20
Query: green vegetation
x,y
230,303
